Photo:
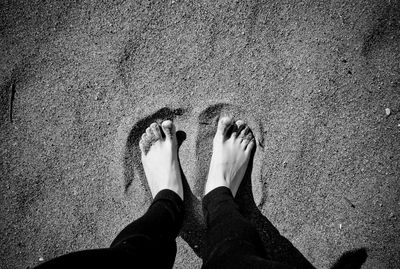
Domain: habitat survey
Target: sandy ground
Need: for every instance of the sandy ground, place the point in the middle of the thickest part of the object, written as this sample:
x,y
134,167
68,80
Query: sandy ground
x,y
318,81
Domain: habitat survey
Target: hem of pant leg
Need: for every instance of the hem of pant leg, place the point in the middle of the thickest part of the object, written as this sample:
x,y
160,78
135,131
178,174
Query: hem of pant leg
x,y
169,195
172,202
215,194
215,197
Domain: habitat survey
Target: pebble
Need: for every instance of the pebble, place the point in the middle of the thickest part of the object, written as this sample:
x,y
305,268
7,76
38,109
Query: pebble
x,y
387,110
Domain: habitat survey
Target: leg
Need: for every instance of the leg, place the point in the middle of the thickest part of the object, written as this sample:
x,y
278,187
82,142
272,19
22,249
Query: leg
x,y
232,241
151,238
157,230
149,241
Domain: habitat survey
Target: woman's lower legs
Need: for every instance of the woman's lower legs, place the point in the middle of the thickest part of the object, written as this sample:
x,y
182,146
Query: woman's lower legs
x,y
147,242
228,232
151,238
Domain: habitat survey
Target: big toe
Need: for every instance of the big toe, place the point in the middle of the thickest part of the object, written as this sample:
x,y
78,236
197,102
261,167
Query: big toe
x,y
224,124
169,129
156,130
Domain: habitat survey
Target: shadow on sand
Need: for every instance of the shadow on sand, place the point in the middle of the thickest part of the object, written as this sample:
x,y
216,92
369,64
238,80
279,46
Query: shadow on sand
x,y
353,259
277,247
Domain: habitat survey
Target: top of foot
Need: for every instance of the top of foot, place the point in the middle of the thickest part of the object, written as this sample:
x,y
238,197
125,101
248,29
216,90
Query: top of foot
x,y
232,147
159,151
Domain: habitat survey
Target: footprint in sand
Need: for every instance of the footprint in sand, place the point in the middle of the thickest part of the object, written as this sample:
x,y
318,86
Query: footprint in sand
x,y
207,121
127,165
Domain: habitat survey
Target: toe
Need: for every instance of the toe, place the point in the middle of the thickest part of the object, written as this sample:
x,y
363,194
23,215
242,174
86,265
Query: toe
x,y
150,137
250,146
223,125
246,140
244,131
149,132
142,143
169,129
156,130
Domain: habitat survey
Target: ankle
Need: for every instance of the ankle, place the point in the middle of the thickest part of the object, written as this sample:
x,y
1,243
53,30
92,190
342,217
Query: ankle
x,y
215,182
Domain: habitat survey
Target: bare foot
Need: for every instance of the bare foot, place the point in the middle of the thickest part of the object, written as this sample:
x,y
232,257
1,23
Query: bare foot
x,y
160,158
231,154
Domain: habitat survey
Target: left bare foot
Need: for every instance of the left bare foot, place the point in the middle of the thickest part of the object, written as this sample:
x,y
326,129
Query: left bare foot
x,y
160,158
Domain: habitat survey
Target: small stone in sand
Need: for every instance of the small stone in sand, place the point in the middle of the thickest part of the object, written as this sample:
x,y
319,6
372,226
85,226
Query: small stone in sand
x,y
41,259
387,110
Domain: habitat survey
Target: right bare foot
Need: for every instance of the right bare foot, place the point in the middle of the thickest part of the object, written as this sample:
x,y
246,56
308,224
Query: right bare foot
x,y
231,155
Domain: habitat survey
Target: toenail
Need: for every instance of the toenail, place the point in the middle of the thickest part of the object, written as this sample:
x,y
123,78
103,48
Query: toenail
x,y
154,127
167,122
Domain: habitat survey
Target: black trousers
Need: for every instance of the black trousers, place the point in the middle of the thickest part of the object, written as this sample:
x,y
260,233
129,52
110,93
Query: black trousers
x,y
149,242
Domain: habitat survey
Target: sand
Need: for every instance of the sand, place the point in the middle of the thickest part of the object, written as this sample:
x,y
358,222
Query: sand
x,y
81,80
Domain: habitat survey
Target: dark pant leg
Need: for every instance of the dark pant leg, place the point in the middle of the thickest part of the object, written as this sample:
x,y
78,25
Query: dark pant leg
x,y
148,242
231,240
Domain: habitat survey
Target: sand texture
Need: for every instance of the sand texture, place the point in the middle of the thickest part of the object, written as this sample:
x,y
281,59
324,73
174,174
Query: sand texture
x,y
317,81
